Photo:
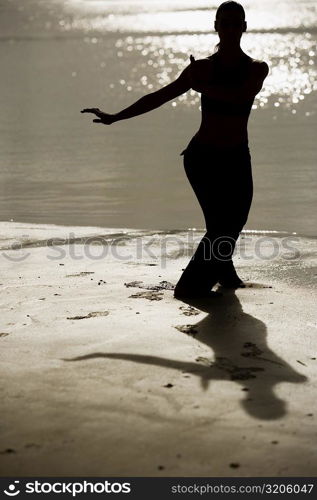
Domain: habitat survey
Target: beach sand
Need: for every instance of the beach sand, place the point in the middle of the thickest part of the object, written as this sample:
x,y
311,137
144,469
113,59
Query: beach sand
x,y
104,373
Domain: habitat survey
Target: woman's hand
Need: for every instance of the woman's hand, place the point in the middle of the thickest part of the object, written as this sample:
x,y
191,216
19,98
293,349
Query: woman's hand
x,y
104,118
198,73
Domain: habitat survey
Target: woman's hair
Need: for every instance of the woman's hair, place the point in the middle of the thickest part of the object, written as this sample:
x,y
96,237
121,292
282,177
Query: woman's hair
x,y
230,5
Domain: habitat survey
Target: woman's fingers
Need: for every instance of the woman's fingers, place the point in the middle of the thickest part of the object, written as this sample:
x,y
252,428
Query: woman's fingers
x,y
91,110
102,117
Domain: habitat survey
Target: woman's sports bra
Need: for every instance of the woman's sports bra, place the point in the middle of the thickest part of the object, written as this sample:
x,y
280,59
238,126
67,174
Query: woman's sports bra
x,y
237,77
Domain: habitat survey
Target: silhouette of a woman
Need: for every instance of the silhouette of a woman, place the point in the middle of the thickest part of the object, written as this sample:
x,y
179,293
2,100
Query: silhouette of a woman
x,y
217,160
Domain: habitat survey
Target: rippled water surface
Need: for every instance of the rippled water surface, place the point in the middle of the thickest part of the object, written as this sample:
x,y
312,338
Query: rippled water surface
x,y
60,56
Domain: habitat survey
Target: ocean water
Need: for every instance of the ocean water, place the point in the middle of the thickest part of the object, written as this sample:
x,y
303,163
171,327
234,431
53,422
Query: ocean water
x,y
58,57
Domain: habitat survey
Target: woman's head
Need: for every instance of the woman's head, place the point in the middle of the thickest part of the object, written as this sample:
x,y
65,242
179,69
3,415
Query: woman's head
x,y
230,21
230,6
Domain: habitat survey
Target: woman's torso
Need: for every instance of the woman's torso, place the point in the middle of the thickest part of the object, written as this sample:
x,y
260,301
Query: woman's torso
x,y
224,123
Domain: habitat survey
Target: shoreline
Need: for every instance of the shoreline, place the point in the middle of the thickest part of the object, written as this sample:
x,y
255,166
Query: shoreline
x,y
17,232
104,373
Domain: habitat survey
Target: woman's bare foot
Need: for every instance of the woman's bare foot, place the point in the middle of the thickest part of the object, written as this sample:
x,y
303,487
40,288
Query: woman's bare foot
x,y
229,277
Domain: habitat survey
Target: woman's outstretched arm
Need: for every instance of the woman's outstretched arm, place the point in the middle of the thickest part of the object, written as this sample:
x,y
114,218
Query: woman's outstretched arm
x,y
147,102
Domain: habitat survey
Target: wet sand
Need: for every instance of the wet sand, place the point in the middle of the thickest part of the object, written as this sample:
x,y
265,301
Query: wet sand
x,y
104,373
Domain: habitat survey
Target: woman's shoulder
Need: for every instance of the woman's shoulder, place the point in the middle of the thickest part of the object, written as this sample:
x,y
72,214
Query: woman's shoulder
x,y
203,65
204,62
258,65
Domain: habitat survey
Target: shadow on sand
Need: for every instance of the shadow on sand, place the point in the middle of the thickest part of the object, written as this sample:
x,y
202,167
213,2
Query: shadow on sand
x,y
241,354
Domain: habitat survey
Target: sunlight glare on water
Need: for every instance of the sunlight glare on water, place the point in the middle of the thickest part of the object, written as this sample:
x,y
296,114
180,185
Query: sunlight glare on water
x,y
160,36
291,77
59,56
277,33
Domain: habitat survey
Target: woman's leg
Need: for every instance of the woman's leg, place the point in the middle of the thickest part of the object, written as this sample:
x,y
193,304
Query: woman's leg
x,y
223,187
201,273
241,193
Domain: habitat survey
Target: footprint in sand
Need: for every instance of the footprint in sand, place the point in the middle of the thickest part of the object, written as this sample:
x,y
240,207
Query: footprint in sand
x,y
235,372
147,295
82,273
91,315
3,334
154,291
251,350
189,310
163,285
7,451
188,329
